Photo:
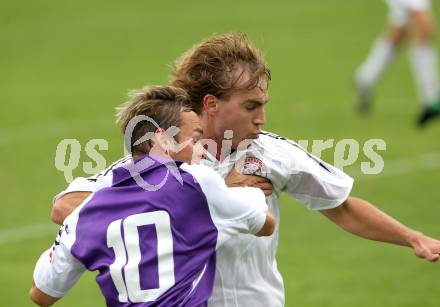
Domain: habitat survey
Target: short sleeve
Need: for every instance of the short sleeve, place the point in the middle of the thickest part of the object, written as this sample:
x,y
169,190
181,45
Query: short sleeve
x,y
233,210
313,182
57,270
252,204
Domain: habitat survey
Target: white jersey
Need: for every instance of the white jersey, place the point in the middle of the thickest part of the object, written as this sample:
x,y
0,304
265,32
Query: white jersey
x,y
203,200
246,271
400,10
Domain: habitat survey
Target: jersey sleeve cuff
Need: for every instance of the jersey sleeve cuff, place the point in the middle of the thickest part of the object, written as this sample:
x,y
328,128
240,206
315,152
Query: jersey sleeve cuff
x,y
258,223
39,279
325,204
48,291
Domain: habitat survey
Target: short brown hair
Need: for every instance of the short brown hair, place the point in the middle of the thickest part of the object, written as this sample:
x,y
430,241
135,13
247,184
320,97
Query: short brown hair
x,y
161,103
211,67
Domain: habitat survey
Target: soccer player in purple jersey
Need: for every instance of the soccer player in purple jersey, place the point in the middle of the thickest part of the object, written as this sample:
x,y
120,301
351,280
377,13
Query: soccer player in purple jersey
x,y
153,235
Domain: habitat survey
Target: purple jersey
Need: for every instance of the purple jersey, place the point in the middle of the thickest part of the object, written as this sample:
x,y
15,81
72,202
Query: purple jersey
x,y
151,247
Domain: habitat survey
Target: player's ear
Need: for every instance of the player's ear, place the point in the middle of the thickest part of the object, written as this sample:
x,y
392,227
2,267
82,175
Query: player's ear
x,y
210,104
160,142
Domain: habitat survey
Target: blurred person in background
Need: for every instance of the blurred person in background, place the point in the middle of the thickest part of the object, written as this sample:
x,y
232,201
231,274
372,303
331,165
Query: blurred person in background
x,y
406,18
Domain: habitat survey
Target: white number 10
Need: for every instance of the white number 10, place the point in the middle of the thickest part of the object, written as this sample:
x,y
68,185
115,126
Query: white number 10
x,y
131,288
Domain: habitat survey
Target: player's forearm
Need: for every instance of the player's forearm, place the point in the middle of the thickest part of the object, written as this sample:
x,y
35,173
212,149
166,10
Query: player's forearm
x,y
59,213
66,204
363,219
40,298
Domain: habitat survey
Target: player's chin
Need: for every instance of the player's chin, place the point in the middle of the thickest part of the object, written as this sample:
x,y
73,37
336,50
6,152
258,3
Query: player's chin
x,y
250,136
254,136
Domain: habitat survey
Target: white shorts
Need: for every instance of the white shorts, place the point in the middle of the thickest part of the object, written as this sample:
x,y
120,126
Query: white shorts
x,y
400,10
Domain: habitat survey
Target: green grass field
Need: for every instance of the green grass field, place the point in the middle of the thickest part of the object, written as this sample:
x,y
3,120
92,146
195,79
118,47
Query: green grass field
x,y
65,66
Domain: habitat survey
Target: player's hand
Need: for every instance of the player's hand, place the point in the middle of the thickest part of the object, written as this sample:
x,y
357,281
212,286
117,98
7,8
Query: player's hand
x,y
235,179
426,247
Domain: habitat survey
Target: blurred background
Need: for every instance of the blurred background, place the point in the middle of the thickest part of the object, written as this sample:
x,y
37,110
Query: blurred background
x,y
65,66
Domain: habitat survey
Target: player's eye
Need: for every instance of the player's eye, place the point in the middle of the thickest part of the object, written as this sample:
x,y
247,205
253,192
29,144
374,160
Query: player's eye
x,y
251,107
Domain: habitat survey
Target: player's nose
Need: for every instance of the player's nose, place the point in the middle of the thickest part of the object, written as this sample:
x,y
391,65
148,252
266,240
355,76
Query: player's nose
x,y
260,119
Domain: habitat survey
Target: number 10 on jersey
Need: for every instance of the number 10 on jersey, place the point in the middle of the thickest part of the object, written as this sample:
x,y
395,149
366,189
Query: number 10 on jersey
x,y
128,256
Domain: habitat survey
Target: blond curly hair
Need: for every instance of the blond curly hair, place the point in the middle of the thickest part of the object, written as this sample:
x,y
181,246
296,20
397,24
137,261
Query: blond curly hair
x,y
216,65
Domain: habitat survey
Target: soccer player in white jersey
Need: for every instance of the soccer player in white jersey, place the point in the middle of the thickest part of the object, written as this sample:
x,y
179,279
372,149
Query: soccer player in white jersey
x,y
153,244
405,17
227,79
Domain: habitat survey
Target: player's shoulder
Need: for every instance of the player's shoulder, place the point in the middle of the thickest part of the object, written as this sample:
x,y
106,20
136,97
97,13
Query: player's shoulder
x,y
201,173
108,171
269,138
276,145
